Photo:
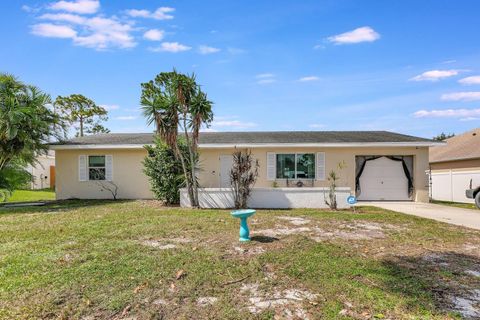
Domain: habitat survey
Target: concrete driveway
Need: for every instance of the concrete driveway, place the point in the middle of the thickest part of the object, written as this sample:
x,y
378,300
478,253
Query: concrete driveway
x,y
462,217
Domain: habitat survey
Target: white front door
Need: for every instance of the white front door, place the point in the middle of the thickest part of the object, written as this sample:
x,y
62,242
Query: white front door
x,y
226,162
383,179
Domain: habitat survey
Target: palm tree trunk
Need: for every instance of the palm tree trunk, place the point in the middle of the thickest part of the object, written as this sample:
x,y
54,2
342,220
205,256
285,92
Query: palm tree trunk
x,y
193,190
185,172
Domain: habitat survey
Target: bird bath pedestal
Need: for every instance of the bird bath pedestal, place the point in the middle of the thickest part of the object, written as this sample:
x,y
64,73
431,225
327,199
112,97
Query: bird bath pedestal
x,y
243,215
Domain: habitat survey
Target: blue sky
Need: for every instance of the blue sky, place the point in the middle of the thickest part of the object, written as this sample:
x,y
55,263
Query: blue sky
x,y
406,66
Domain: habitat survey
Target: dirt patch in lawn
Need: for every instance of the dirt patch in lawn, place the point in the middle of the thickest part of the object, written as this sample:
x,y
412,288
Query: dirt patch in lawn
x,y
165,244
347,230
206,301
298,221
287,303
452,278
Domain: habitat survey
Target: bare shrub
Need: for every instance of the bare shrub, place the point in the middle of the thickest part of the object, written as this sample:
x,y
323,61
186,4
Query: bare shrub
x,y
243,176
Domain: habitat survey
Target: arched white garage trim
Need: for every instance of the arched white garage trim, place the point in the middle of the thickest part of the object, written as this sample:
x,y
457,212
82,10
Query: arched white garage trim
x,y
383,179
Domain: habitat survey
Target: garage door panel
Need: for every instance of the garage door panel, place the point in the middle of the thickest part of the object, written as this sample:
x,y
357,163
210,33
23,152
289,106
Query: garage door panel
x,y
383,179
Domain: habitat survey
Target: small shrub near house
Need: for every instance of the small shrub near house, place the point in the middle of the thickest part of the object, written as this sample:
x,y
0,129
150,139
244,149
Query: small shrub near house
x,y
243,176
164,172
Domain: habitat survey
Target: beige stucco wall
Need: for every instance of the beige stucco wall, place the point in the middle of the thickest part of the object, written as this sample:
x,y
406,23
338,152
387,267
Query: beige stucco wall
x,y
210,163
127,174
132,182
41,171
458,164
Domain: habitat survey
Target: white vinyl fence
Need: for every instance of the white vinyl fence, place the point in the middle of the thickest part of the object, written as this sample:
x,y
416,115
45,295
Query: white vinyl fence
x,y
450,185
268,198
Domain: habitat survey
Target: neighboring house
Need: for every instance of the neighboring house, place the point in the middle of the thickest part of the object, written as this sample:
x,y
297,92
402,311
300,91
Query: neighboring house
x,y
43,172
453,166
294,166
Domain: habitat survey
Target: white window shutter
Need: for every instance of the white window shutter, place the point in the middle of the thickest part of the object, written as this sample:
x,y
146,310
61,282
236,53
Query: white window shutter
x,y
82,168
320,160
271,166
108,167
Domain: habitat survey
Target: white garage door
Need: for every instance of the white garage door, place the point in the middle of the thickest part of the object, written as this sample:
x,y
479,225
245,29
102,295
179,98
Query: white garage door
x,y
383,179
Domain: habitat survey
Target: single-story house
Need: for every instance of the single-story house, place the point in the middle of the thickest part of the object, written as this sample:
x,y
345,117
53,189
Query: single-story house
x,y
293,172
454,165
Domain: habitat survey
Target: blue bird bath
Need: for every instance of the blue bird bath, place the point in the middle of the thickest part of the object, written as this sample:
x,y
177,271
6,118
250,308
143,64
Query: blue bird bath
x,y
243,216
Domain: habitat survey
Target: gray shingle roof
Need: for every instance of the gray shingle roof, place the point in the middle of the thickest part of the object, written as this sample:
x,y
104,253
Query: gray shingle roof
x,y
277,137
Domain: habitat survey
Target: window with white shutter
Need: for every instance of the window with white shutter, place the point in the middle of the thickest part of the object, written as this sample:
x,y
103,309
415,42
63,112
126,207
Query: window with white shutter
x,y
82,168
108,167
320,161
271,166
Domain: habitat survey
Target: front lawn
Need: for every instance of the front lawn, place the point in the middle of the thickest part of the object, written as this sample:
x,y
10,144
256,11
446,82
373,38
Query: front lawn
x,y
32,195
138,260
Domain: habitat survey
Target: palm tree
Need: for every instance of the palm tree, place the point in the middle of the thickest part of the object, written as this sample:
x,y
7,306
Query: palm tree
x,y
173,102
26,121
27,124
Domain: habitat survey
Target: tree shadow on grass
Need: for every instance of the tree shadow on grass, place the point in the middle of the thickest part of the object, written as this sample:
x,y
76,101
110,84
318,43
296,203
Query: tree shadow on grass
x,y
58,205
444,282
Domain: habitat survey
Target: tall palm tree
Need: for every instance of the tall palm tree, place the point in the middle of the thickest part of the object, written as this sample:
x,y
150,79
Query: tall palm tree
x,y
173,102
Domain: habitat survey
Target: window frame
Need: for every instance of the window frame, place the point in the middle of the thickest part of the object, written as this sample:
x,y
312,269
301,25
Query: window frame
x,y
104,167
296,163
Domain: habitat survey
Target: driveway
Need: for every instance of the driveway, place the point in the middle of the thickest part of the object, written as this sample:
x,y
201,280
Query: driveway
x,y
462,217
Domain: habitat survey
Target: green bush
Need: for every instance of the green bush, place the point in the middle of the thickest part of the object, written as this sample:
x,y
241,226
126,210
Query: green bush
x,y
164,172
13,176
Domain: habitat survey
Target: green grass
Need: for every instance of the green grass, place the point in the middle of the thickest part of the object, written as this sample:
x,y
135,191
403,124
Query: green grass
x,y
77,259
32,195
456,204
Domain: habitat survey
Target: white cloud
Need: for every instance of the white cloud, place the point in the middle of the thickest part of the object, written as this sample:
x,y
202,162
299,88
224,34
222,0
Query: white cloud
x,y
233,123
449,61
265,78
208,130
103,33
461,96
318,46
363,34
435,75
266,81
66,17
309,78
126,118
470,80
154,35
97,32
159,14
317,125
29,9
171,47
207,50
110,107
264,75
448,113
53,31
470,119
78,6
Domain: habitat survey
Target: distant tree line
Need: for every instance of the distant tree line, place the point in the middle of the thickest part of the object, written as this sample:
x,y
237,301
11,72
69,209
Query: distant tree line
x,y
443,136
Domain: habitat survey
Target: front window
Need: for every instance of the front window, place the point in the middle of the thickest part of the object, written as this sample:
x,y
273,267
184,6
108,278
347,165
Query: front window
x,y
296,166
96,167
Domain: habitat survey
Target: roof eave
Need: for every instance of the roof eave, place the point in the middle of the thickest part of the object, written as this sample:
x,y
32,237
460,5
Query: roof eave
x,y
256,145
